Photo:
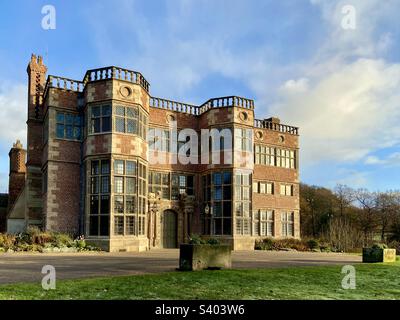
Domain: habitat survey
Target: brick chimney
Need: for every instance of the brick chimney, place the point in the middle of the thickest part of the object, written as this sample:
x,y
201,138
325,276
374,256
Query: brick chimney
x,y
36,82
17,174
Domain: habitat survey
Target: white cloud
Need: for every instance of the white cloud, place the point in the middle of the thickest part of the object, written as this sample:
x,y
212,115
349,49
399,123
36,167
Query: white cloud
x,y
13,112
347,113
392,160
353,178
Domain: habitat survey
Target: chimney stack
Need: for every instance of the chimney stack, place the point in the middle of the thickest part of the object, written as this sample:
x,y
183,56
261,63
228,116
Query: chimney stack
x,y
17,174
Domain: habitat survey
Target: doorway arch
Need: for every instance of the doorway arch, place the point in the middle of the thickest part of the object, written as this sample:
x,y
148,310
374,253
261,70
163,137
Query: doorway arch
x,y
170,229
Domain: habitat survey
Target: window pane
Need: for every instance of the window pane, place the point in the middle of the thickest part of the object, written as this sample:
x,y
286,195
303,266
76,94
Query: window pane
x,y
217,178
69,119
105,205
104,225
120,111
120,124
218,193
132,112
60,131
182,181
69,133
118,225
131,126
119,184
118,167
227,209
77,133
106,121
190,181
60,117
94,185
130,225
96,111
106,111
227,226
95,167
218,226
78,121
105,166
96,125
130,204
217,209
227,193
94,225
105,184
130,167
130,185
94,205
119,204
175,180
227,178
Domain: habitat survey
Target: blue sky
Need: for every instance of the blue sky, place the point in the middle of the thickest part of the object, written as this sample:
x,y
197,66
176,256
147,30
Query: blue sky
x,y
341,87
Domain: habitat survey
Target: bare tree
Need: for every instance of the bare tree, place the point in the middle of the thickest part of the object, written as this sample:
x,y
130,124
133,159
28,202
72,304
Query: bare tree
x,y
345,197
367,216
386,208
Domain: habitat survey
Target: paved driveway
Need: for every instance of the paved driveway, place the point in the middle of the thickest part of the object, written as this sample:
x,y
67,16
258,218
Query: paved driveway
x,y
19,267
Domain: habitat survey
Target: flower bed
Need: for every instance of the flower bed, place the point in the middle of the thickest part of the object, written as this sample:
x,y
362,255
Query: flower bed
x,y
35,240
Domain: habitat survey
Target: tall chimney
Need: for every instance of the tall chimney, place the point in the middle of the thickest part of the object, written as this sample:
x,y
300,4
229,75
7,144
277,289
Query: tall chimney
x,y
17,174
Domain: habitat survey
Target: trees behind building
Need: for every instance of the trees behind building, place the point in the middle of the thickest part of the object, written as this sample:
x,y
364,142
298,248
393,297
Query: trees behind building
x,y
349,219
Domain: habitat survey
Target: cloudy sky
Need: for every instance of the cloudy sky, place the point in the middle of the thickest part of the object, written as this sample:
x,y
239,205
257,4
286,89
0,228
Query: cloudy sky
x,y
293,57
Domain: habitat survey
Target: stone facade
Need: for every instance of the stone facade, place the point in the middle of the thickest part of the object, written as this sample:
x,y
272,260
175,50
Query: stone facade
x,y
90,172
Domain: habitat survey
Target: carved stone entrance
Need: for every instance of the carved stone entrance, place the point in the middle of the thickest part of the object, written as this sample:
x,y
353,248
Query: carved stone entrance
x,y
170,228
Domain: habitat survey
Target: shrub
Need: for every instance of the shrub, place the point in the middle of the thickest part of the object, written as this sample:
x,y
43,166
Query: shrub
x,y
313,244
36,236
196,239
61,240
7,241
213,241
36,240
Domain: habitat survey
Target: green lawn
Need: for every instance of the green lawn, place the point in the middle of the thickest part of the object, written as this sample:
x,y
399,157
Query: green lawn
x,y
374,281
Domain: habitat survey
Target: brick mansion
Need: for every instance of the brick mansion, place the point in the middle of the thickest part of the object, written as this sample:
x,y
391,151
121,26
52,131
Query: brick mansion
x,y
87,167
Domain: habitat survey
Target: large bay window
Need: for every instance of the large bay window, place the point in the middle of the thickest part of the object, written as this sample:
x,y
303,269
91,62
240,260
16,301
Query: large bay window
x,y
242,203
129,197
99,211
217,195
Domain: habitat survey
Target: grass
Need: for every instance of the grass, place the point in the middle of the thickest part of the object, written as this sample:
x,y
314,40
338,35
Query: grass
x,y
374,281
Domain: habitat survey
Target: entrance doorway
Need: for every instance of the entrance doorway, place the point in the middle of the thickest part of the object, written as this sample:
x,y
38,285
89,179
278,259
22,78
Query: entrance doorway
x,y
170,227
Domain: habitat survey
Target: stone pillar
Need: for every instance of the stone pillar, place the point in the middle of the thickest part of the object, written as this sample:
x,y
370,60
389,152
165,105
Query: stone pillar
x,y
188,204
154,206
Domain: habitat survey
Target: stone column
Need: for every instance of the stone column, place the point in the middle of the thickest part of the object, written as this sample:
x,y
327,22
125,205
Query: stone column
x,y
188,203
154,205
